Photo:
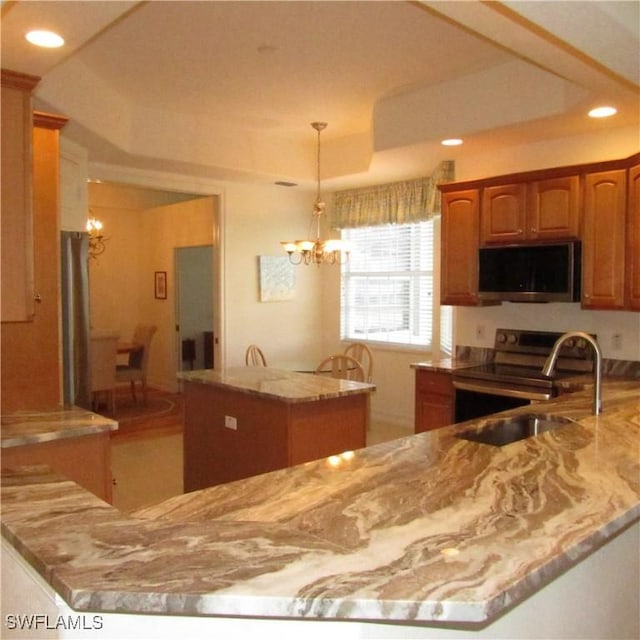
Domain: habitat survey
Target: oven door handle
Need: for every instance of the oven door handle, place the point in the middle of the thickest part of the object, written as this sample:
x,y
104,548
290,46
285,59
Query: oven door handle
x,y
509,392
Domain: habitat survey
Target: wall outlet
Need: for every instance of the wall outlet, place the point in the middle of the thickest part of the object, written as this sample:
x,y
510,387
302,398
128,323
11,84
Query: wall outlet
x,y
616,342
231,423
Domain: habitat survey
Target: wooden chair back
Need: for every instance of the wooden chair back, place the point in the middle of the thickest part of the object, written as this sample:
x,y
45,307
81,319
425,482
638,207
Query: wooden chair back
x,y
254,357
363,355
341,366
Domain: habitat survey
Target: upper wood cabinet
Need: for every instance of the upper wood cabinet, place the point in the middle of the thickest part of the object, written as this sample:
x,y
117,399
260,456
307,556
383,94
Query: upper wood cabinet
x,y
544,209
603,240
459,261
632,275
16,216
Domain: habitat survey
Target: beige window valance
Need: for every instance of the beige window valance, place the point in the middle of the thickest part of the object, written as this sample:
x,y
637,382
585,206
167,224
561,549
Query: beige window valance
x,y
392,203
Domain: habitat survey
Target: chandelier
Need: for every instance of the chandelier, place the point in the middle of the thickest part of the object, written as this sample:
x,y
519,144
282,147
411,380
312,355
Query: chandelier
x,y
96,237
317,251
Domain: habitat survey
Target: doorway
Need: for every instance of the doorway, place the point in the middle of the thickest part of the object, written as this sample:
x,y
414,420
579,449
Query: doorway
x,y
194,307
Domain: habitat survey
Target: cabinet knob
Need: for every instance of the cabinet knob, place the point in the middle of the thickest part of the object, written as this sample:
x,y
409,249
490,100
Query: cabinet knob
x,y
37,297
534,230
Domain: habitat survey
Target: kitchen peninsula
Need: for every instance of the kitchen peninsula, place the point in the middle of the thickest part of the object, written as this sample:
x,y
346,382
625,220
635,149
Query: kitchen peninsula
x,y
243,421
72,440
429,536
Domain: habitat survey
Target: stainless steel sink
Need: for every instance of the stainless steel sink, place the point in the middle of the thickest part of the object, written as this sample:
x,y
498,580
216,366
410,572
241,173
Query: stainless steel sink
x,y
508,430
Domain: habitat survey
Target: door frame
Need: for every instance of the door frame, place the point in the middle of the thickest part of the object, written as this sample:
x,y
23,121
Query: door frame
x,y
184,184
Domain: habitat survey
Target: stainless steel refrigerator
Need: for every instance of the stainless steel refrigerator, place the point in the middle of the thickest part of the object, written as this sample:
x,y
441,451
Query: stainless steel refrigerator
x,y
75,318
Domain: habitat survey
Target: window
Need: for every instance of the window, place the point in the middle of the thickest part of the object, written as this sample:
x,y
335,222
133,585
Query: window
x,y
387,292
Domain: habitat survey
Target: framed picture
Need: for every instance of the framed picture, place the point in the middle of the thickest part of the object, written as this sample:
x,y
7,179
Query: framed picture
x,y
277,278
160,285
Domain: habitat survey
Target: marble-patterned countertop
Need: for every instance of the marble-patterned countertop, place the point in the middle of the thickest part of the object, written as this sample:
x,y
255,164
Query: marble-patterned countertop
x,y
429,528
281,384
445,365
32,427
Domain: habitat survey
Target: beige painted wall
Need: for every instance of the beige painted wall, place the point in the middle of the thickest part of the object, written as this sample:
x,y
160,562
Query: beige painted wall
x,y
141,241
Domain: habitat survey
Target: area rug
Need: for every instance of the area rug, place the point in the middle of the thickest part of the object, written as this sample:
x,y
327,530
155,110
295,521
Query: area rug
x,y
162,411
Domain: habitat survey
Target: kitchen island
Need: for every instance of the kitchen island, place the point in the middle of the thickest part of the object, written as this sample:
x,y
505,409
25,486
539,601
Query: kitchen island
x,y
244,421
429,536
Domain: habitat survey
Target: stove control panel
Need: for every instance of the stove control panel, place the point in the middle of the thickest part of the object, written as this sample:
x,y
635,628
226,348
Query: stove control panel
x,y
540,343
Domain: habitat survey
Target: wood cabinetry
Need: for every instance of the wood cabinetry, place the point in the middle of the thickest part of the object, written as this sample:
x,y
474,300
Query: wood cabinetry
x,y
597,204
30,363
459,261
16,218
632,275
543,209
434,405
83,459
603,240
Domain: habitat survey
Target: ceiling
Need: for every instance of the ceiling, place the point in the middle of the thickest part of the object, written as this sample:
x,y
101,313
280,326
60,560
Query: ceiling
x,y
228,89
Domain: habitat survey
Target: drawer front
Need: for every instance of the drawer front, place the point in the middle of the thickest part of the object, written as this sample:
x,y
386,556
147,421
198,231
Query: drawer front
x,y
432,382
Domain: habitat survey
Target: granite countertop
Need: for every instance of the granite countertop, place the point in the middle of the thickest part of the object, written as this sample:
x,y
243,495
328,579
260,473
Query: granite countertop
x,y
32,427
445,365
281,384
429,528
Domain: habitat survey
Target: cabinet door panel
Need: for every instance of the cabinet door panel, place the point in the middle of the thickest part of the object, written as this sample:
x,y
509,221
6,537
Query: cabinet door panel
x,y
459,262
604,240
433,400
503,213
16,213
554,209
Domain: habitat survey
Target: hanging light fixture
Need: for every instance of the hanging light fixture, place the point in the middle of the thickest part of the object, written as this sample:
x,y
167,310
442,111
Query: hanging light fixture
x,y
317,251
96,237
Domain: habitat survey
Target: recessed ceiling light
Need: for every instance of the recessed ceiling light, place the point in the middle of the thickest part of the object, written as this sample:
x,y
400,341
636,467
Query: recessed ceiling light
x,y
602,112
451,142
47,39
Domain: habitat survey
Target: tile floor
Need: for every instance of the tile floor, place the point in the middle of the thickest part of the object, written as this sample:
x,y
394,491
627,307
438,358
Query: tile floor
x,y
147,470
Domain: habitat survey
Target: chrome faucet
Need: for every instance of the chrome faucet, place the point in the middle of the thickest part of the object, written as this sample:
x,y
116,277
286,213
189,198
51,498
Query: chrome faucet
x,y
550,364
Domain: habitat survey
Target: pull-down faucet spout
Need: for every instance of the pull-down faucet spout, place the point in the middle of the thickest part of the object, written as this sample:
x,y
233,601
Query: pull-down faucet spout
x,y
550,364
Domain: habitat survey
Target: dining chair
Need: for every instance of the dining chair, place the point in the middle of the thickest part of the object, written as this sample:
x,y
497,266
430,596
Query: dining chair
x,y
103,354
363,355
136,369
254,357
341,366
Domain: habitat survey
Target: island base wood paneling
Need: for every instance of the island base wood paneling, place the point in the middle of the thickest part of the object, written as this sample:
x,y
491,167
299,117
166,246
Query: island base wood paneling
x,y
270,434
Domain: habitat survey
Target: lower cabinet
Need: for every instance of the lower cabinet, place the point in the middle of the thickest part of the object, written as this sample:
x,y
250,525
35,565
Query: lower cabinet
x,y
434,406
85,460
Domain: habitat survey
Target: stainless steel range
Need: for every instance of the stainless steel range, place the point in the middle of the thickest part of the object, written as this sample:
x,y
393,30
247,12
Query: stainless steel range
x,y
514,377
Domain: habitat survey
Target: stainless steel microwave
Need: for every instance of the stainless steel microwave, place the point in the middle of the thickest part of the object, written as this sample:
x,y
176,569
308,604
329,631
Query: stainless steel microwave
x,y
530,273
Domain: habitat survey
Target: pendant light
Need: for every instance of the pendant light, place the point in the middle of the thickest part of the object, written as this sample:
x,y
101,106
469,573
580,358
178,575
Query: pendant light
x,y
315,250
